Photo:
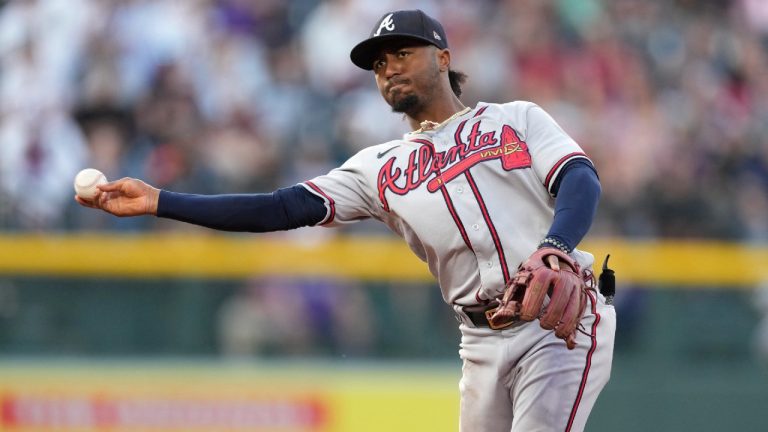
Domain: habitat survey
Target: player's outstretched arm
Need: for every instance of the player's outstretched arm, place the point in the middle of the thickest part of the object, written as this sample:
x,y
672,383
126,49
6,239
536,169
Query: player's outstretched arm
x,y
125,197
284,209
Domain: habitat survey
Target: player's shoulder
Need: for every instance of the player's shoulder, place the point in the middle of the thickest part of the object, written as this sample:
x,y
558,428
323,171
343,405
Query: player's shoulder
x,y
515,113
377,149
512,107
374,152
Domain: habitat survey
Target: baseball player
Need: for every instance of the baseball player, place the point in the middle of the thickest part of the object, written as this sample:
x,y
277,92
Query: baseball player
x,y
494,198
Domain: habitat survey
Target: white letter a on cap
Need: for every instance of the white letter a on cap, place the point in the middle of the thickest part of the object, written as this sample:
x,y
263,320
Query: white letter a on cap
x,y
386,23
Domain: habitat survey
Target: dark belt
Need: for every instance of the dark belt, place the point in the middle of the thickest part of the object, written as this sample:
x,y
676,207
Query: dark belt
x,y
478,314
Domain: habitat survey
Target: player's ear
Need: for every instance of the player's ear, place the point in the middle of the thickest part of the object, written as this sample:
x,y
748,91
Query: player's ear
x,y
443,59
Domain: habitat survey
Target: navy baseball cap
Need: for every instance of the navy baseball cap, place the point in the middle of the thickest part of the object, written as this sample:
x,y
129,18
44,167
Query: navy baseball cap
x,y
409,24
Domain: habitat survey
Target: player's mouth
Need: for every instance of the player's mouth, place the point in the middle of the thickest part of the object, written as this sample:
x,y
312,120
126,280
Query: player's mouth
x,y
396,86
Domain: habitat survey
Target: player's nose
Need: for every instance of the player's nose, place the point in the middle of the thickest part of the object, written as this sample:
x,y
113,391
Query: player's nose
x,y
392,67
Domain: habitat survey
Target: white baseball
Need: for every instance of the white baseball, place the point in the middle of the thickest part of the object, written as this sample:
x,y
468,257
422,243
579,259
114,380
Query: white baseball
x,y
86,182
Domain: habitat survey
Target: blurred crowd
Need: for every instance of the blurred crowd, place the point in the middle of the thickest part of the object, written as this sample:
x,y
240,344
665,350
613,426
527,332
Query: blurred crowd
x,y
669,98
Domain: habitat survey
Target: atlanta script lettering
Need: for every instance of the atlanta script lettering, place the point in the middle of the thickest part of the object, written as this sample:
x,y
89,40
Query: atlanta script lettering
x,y
438,168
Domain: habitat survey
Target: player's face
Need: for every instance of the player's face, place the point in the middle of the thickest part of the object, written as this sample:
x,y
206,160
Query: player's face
x,y
407,75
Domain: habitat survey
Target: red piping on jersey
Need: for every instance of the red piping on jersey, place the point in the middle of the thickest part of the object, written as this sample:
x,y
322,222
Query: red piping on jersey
x,y
447,198
456,218
491,227
331,203
557,166
480,111
588,364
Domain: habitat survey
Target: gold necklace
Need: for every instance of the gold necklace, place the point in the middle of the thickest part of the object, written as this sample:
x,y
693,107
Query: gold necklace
x,y
428,125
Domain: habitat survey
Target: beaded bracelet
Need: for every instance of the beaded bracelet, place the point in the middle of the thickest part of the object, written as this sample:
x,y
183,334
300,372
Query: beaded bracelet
x,y
555,243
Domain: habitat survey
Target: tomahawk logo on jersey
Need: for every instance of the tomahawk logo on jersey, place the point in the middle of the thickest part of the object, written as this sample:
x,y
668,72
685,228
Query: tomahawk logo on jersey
x,y
440,167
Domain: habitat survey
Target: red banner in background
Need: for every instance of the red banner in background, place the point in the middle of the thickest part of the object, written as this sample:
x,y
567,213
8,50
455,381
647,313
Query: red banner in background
x,y
226,397
47,412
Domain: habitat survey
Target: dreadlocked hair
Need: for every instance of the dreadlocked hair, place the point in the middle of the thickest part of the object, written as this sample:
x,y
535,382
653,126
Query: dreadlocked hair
x,y
457,79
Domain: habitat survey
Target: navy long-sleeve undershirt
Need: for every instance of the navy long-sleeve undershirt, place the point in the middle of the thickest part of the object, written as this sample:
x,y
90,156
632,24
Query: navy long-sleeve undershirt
x,y
577,190
284,209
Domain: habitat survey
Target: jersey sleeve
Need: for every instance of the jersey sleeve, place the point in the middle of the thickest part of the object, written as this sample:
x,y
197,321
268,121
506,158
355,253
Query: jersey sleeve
x,y
551,148
345,192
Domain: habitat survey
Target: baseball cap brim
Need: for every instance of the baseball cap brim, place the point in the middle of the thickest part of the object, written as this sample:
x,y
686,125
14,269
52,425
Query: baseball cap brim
x,y
364,53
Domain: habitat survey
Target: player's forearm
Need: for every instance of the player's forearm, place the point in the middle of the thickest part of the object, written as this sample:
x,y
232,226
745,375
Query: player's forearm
x,y
281,210
575,205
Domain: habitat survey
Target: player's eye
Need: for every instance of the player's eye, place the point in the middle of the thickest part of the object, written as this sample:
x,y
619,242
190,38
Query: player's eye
x,y
378,64
403,53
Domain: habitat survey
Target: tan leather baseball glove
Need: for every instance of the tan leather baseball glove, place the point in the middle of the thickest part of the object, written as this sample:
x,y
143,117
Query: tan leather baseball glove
x,y
547,271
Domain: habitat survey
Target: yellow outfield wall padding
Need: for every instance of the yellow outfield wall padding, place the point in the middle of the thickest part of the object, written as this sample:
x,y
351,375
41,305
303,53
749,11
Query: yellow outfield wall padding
x,y
256,397
691,263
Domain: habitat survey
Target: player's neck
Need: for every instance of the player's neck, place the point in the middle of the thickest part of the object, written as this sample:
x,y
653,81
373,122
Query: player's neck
x,y
436,113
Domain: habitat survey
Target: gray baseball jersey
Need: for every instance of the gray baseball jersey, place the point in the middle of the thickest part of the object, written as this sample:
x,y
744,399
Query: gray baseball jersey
x,y
471,198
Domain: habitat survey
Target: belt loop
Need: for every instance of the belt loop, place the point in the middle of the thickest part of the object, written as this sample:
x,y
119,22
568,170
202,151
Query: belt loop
x,y
461,316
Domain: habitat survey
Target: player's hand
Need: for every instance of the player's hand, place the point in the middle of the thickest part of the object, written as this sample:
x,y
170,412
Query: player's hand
x,y
124,197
